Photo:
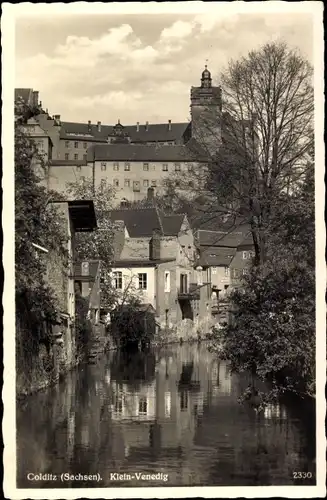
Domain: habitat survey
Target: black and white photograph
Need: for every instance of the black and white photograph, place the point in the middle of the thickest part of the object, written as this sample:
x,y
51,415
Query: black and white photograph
x,y
164,236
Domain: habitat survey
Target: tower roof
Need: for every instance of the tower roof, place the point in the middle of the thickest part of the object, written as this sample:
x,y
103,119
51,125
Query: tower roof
x,y
206,78
206,73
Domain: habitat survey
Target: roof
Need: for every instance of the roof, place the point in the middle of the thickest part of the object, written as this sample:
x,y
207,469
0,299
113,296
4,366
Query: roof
x,y
140,262
82,214
142,153
171,224
67,163
216,256
140,222
157,132
230,239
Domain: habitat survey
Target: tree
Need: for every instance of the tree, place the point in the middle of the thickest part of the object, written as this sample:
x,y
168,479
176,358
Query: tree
x,y
273,333
36,222
100,243
265,135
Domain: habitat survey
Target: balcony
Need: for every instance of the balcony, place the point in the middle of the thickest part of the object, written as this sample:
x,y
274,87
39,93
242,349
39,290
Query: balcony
x,y
189,293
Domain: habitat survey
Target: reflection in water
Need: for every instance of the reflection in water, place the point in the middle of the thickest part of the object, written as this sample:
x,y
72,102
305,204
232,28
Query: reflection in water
x,y
173,411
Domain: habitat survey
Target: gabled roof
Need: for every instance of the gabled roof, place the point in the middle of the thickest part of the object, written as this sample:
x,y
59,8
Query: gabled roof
x,y
171,224
142,153
140,222
216,256
157,132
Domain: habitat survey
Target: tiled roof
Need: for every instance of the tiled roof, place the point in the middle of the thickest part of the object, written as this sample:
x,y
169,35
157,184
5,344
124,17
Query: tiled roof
x,y
140,222
68,163
157,132
172,224
140,262
216,256
142,153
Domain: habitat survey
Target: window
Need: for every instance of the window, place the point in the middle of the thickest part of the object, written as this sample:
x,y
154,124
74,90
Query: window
x,y
153,183
165,167
75,156
127,167
85,157
78,168
118,280
75,144
136,186
184,400
248,254
183,283
226,271
127,183
103,166
177,183
190,168
67,144
119,405
85,145
143,406
116,166
66,156
146,167
245,272
167,404
143,281
167,281
146,183
116,183
177,167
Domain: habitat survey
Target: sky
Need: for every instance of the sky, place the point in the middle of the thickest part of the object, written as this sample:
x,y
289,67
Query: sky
x,y
139,67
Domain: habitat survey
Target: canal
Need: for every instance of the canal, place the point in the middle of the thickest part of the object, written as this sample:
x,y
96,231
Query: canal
x,y
172,412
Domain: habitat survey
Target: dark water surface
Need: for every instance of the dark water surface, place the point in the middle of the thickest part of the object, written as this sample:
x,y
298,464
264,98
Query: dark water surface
x,y
172,411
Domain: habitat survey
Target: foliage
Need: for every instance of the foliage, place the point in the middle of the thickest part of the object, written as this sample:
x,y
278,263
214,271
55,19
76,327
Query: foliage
x,y
99,243
273,331
83,327
38,222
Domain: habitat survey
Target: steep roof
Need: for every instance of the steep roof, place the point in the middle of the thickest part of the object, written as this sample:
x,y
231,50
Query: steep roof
x,y
142,153
172,224
140,222
157,132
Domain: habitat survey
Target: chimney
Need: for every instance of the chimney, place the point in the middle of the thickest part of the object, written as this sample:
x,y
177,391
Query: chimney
x,y
155,245
169,124
99,126
146,126
57,119
137,126
35,98
89,125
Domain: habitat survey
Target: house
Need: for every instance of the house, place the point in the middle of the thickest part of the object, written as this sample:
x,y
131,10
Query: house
x,y
44,147
87,275
224,256
155,256
77,216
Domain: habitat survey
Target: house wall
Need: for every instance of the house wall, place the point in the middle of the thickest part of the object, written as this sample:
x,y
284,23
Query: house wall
x,y
220,277
240,264
131,285
59,176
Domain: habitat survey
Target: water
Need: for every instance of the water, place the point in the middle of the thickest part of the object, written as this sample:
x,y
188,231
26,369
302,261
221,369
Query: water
x,y
171,412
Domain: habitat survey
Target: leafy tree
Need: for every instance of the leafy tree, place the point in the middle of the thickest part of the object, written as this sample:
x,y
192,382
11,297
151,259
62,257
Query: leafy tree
x,y
36,222
273,332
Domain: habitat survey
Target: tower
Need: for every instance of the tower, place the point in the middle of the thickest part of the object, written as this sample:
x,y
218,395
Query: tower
x,y
206,106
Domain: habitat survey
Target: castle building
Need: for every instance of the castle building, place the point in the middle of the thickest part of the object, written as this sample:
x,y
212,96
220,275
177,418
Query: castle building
x,y
133,157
